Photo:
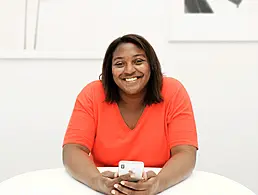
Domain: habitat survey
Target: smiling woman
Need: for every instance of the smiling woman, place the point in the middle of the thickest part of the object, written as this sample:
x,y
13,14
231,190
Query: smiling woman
x,y
128,57
130,68
132,113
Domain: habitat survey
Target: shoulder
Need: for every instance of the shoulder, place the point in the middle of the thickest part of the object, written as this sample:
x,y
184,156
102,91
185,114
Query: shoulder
x,y
171,87
92,86
175,96
93,90
171,82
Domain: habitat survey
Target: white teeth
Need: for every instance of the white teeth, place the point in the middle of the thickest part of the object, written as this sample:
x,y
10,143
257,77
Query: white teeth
x,y
131,79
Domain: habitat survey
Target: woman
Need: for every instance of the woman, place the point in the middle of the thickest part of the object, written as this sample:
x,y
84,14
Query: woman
x,y
132,113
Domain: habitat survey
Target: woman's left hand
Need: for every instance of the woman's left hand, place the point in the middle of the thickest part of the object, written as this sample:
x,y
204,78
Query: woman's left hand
x,y
147,186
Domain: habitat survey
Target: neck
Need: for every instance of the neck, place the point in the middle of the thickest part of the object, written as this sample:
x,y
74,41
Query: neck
x,y
132,102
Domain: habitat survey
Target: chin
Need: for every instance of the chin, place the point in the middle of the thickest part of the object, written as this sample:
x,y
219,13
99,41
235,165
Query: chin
x,y
132,92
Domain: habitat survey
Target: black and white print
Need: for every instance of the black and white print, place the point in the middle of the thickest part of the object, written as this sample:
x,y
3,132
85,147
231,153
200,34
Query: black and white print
x,y
211,6
213,20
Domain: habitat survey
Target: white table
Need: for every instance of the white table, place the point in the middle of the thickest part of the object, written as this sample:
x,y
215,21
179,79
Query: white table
x,y
58,182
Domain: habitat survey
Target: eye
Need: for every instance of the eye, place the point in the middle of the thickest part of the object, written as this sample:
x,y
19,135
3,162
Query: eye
x,y
119,64
139,61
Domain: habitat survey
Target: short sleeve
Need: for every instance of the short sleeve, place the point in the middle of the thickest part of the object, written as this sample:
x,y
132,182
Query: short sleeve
x,y
180,120
81,128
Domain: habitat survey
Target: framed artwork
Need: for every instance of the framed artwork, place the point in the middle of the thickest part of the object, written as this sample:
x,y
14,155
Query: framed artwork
x,y
213,20
82,29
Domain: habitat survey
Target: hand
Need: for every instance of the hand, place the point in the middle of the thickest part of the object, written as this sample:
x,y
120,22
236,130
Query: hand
x,y
147,186
109,174
107,180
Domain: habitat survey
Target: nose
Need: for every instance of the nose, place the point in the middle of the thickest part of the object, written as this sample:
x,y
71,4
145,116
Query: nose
x,y
129,68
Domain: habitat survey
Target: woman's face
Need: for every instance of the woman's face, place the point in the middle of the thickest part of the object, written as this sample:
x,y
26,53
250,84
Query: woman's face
x,y
130,68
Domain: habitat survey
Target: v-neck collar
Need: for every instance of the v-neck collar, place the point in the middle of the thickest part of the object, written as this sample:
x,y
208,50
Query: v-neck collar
x,y
122,121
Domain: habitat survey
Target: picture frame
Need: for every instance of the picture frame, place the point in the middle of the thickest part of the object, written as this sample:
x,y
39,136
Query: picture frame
x,y
224,24
79,29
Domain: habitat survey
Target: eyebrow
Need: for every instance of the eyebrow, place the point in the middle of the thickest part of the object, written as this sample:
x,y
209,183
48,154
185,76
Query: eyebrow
x,y
136,55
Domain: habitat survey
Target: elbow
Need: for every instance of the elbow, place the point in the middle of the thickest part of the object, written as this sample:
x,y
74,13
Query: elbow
x,y
70,151
65,156
67,152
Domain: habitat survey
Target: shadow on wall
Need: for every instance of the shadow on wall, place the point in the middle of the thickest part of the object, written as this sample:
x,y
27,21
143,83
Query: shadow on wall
x,y
202,6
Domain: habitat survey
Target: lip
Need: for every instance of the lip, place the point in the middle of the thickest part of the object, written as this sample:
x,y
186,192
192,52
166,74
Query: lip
x,y
138,77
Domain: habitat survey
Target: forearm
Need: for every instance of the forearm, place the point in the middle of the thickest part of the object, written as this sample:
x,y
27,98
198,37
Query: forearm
x,y
177,168
79,165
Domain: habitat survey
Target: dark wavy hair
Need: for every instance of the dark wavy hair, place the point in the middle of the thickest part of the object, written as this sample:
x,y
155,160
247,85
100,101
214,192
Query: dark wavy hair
x,y
154,85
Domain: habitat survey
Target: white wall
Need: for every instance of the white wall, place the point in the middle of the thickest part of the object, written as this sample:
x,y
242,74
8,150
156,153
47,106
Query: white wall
x,y
222,80
37,97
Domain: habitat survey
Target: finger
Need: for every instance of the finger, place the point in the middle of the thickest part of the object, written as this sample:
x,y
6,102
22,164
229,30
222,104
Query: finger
x,y
116,192
109,174
110,182
150,174
134,186
144,176
123,189
147,175
126,177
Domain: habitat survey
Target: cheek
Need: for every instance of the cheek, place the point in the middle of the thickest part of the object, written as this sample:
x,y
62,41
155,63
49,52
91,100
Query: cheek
x,y
146,70
116,73
147,73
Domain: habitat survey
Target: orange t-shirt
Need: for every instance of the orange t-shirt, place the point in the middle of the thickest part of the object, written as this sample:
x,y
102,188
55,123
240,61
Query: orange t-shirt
x,y
100,127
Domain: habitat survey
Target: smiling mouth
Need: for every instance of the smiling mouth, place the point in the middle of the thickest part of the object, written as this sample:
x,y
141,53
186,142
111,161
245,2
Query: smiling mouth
x,y
131,79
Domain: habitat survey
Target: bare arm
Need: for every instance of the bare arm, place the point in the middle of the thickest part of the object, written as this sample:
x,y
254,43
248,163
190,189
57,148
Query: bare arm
x,y
177,168
79,165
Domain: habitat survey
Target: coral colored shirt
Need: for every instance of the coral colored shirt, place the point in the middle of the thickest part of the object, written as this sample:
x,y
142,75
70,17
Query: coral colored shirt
x,y
100,127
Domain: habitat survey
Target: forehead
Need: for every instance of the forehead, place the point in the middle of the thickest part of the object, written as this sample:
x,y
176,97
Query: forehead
x,y
127,50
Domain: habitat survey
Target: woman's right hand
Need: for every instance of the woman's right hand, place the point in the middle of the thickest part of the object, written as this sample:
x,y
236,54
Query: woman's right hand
x,y
107,180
